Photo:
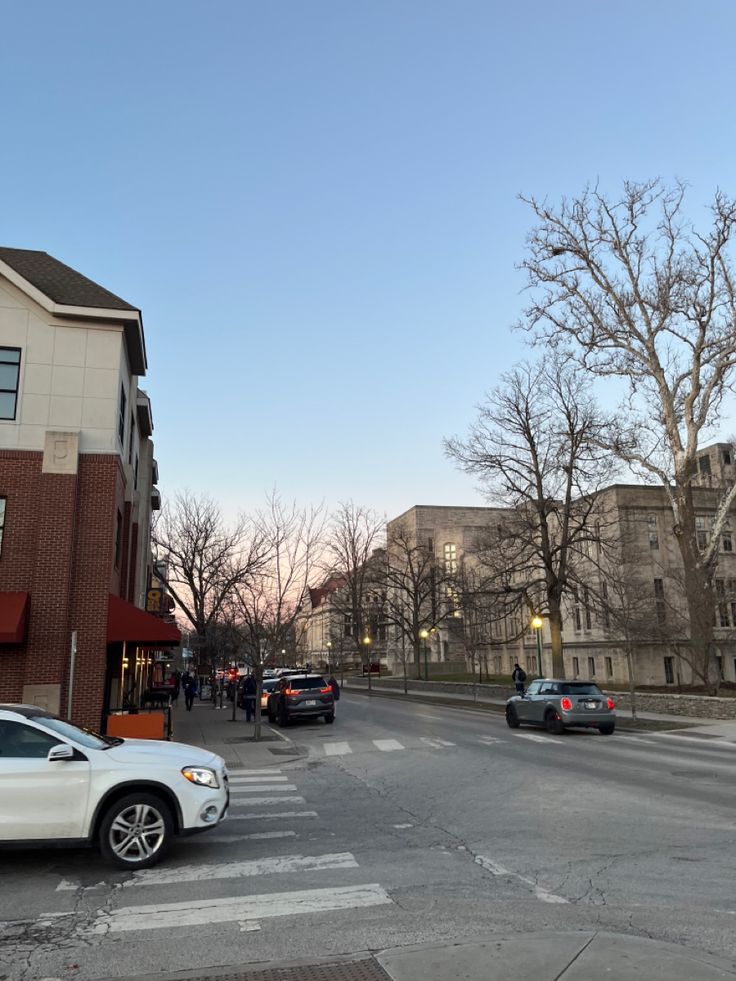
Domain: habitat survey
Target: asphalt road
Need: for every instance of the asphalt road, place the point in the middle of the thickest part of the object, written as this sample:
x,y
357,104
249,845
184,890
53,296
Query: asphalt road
x,y
404,823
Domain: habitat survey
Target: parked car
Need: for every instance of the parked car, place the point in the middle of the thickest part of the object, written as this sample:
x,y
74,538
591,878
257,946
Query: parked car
x,y
130,797
557,704
301,696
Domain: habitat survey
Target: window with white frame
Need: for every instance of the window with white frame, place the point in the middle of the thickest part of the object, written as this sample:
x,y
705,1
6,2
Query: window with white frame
x,y
9,381
653,532
701,532
591,667
576,667
450,559
722,611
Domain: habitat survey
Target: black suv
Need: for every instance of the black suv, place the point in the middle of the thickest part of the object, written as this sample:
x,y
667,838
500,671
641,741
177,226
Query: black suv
x,y
301,696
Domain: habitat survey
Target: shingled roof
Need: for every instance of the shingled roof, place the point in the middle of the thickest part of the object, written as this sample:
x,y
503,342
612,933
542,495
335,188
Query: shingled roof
x,y
60,283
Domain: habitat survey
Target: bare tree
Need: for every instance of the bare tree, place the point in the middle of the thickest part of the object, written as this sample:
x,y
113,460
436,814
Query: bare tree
x,y
354,534
418,592
634,292
535,447
205,561
267,605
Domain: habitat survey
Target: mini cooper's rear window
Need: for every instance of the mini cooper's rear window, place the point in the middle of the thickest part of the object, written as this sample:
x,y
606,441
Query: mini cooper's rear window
x,y
573,689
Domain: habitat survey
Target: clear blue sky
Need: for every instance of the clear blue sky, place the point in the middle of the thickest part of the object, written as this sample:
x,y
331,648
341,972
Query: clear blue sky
x,y
315,203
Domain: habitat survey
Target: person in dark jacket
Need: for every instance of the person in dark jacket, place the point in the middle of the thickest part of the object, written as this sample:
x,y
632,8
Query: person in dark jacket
x,y
189,684
250,688
518,676
335,687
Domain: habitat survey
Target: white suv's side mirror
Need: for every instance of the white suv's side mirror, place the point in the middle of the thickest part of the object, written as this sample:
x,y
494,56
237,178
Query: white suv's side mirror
x,y
60,753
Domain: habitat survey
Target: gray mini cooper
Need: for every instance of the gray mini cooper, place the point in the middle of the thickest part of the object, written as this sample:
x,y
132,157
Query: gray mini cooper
x,y
557,704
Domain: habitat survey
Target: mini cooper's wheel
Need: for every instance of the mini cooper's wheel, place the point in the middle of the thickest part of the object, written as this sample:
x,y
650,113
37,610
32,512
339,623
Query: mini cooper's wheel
x,y
329,718
553,722
136,831
607,729
512,719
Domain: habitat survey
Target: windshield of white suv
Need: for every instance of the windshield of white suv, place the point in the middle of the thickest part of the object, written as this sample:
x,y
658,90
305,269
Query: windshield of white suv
x,y
84,737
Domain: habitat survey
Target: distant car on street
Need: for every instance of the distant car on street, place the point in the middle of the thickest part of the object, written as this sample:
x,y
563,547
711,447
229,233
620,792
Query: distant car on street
x,y
557,704
301,696
60,784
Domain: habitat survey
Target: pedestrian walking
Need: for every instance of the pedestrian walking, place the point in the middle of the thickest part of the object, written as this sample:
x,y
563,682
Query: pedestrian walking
x,y
250,689
335,687
189,684
518,676
177,688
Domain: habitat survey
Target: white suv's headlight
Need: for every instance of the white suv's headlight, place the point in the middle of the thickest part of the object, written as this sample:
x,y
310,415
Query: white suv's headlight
x,y
201,776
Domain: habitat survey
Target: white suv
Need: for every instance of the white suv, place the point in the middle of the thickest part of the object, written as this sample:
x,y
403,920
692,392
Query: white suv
x,y
63,784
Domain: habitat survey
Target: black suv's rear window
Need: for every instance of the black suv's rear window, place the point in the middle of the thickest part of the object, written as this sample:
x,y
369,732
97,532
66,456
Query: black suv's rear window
x,y
301,684
582,689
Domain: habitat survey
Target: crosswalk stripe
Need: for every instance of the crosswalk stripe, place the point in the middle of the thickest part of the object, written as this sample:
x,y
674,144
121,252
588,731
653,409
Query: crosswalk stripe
x,y
258,816
265,800
337,749
237,870
489,740
232,839
199,912
387,745
435,743
237,774
262,788
263,778
535,738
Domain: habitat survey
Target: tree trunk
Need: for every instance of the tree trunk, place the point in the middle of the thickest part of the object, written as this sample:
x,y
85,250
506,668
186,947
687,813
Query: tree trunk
x,y
701,607
555,632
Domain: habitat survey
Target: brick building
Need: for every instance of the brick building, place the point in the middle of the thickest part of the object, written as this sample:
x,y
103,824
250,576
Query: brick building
x,y
77,486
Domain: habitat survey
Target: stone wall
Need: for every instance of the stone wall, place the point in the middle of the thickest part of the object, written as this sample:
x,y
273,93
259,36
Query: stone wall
x,y
693,706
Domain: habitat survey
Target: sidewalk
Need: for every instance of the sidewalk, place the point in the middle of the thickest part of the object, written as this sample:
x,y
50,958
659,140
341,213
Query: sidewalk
x,y
703,727
213,729
548,956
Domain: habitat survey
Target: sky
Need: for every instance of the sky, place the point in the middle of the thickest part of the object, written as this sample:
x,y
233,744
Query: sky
x,y
316,204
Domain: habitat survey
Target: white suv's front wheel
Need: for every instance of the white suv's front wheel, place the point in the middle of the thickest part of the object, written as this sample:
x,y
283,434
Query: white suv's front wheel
x,y
136,831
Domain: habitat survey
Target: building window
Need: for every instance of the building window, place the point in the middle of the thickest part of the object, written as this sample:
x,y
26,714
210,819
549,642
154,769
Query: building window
x,y
669,670
659,601
722,614
577,621
704,463
118,538
653,533
727,458
701,533
576,667
727,541
531,664
605,612
591,667
121,416
9,378
719,659
450,559
609,667
586,606
348,625
2,521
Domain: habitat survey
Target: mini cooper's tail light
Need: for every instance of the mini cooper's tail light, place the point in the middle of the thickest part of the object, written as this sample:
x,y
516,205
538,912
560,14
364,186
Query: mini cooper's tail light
x,y
565,704
611,704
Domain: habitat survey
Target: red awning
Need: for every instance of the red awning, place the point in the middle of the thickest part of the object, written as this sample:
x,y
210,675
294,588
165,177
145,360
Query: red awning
x,y
13,617
126,622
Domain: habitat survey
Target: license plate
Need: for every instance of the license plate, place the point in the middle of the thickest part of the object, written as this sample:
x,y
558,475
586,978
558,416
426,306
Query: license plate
x,y
311,702
591,705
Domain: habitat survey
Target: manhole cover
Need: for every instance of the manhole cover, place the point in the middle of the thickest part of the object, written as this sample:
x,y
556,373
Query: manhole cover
x,y
362,970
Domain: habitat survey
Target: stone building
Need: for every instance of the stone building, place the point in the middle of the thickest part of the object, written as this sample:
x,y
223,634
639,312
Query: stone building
x,y
77,486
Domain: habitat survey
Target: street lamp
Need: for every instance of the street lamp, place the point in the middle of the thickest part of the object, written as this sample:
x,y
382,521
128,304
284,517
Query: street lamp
x,y
283,657
329,655
537,623
367,643
424,633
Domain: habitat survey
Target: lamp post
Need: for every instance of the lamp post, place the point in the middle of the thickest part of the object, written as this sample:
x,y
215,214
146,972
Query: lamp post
x,y
424,634
329,655
283,657
367,644
537,623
